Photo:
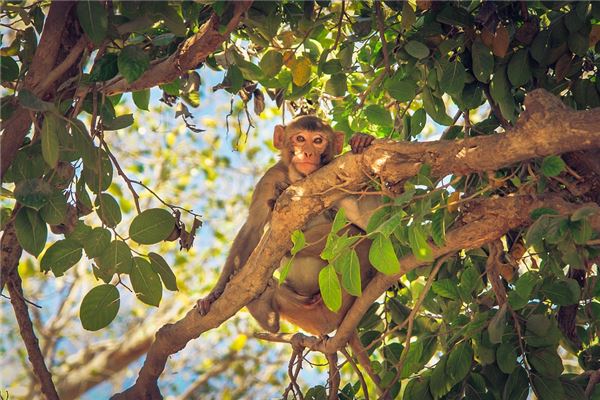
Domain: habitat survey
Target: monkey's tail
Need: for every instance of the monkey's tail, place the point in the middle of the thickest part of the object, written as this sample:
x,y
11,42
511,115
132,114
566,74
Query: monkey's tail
x,y
365,362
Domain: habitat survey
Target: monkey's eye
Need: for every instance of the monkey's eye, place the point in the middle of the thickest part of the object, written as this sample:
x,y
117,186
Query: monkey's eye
x,y
300,138
318,140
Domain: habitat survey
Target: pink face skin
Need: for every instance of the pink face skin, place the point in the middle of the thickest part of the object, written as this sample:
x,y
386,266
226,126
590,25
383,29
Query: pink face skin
x,y
308,148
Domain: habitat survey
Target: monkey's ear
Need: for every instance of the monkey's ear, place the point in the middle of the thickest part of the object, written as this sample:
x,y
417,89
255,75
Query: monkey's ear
x,y
279,137
338,141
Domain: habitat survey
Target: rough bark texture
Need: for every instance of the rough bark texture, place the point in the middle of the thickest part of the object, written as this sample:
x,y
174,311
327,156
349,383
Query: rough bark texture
x,y
546,127
44,60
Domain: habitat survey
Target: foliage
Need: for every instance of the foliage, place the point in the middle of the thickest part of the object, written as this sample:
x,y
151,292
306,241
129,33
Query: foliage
x,y
383,67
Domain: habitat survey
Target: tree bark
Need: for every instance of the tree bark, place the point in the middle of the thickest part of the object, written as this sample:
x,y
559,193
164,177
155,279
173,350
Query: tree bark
x,y
9,263
546,127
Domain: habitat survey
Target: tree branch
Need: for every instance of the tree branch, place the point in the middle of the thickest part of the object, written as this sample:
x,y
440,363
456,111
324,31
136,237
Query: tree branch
x,y
546,127
44,59
190,54
11,253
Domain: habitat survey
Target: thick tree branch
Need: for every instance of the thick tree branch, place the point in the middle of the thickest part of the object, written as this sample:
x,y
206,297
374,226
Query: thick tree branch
x,y
189,55
44,59
546,127
9,262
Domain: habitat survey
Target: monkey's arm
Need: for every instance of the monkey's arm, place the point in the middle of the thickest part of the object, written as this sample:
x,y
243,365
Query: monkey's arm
x,y
266,193
359,209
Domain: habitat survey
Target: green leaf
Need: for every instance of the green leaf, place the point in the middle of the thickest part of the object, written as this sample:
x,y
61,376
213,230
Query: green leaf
x,y
546,362
116,259
336,85
519,70
99,307
418,243
104,68
453,77
540,47
93,18
96,242
31,231
299,241
234,79
132,63
440,382
285,269
161,267
548,389
351,274
553,166
82,142
152,226
538,324
271,63
497,325
459,362
470,280
584,212
50,128
417,122
32,102
378,115
98,176
383,257
525,284
55,210
61,256
250,71
416,49
417,388
435,107
331,67
506,356
9,69
438,227
339,221
120,122
403,90
517,385
563,292
108,210
483,61
445,288
145,282
141,99
330,288
33,193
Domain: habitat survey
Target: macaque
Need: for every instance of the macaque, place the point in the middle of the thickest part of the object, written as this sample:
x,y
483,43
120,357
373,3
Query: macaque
x,y
306,144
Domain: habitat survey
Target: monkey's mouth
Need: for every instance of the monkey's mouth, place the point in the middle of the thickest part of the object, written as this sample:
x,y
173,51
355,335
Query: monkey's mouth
x,y
306,167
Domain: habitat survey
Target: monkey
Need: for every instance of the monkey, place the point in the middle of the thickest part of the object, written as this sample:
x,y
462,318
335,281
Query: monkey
x,y
305,145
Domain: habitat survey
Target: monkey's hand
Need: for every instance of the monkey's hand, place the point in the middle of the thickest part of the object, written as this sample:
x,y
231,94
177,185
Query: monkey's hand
x,y
360,141
279,188
203,305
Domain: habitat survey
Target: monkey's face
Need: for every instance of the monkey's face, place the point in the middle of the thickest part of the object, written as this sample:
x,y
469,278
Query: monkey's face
x,y
306,149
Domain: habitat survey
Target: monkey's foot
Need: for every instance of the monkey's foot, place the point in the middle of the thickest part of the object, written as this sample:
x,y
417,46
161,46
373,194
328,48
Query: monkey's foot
x,y
203,305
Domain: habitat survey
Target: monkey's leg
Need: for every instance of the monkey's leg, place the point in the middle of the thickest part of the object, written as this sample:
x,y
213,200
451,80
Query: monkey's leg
x,y
264,308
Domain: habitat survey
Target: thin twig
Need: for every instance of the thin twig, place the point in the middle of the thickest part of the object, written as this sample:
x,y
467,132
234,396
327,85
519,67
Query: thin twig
x,y
120,171
361,378
411,318
381,28
339,32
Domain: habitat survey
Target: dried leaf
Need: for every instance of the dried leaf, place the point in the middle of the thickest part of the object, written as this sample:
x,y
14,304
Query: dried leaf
x,y
501,42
